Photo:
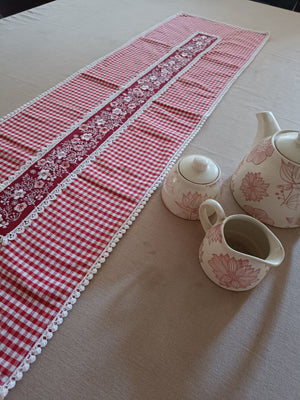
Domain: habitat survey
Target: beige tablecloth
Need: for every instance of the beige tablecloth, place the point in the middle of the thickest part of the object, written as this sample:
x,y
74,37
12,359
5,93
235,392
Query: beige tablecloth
x,y
151,325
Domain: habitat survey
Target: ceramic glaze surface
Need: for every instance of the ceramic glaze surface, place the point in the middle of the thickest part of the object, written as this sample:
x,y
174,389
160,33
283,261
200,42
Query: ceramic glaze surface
x,y
267,186
183,197
227,268
237,251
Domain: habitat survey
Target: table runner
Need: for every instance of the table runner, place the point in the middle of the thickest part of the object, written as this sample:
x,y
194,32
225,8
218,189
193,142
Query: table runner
x,y
50,257
54,168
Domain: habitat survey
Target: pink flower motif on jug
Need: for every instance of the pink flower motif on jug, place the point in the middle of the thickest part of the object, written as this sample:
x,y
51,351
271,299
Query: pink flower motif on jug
x,y
290,190
233,273
190,203
261,152
215,234
259,214
254,187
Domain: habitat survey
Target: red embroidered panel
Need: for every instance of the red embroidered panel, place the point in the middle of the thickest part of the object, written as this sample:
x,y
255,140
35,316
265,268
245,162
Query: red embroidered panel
x,y
29,190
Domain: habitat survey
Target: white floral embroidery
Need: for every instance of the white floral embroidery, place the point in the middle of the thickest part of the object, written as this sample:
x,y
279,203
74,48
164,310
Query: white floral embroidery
x,y
44,174
19,193
3,223
42,178
61,154
20,207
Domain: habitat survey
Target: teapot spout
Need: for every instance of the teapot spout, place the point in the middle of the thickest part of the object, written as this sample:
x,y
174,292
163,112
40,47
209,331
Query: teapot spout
x,y
267,126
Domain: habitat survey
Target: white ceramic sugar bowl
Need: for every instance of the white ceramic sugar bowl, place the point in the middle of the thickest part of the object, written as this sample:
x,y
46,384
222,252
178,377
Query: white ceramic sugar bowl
x,y
192,180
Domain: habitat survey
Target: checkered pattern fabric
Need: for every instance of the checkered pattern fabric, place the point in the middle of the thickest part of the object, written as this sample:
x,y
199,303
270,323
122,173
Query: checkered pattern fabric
x,y
54,168
43,271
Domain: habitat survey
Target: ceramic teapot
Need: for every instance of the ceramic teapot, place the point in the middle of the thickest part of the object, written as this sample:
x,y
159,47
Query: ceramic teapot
x,y
192,180
266,184
237,251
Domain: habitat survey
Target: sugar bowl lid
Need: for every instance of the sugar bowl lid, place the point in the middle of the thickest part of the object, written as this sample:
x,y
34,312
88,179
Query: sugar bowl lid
x,y
198,169
288,144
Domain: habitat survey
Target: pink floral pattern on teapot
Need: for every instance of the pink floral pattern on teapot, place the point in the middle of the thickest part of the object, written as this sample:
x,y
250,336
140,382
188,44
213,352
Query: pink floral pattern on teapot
x,y
254,187
259,214
266,183
289,191
260,152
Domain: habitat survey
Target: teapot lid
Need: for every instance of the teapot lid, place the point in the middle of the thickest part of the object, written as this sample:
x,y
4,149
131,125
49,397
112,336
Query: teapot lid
x,y
198,169
288,144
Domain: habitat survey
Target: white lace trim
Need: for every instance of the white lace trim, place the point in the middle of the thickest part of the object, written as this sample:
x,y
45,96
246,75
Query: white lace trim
x,y
58,189
85,68
184,14
18,374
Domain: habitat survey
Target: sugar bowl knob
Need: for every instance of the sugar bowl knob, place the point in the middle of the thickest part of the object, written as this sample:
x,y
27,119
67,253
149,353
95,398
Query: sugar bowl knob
x,y
192,180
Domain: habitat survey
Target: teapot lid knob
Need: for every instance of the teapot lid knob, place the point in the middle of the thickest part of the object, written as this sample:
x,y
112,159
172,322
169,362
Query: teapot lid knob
x,y
199,163
288,144
198,169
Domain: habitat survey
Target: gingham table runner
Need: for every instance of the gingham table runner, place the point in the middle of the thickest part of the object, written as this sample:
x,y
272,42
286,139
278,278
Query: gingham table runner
x,y
78,164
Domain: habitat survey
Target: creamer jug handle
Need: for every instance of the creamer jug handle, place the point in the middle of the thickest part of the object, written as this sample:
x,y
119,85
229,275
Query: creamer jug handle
x,y
208,208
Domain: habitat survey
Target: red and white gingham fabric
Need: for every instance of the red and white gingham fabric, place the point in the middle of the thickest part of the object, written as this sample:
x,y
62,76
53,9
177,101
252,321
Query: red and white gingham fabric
x,y
43,271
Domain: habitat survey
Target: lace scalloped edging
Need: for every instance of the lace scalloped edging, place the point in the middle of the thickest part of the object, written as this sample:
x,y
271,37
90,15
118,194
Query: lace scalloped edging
x,y
87,67
31,357
90,113
62,185
47,148
184,14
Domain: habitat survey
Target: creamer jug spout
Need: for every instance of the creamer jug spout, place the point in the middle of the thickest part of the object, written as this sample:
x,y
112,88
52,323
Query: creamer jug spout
x,y
275,253
267,126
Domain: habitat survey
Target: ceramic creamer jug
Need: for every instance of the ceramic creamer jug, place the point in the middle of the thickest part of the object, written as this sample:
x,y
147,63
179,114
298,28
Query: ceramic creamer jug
x,y
266,184
237,251
192,180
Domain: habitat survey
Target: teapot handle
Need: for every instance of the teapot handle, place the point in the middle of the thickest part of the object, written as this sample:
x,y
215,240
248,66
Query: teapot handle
x,y
211,206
